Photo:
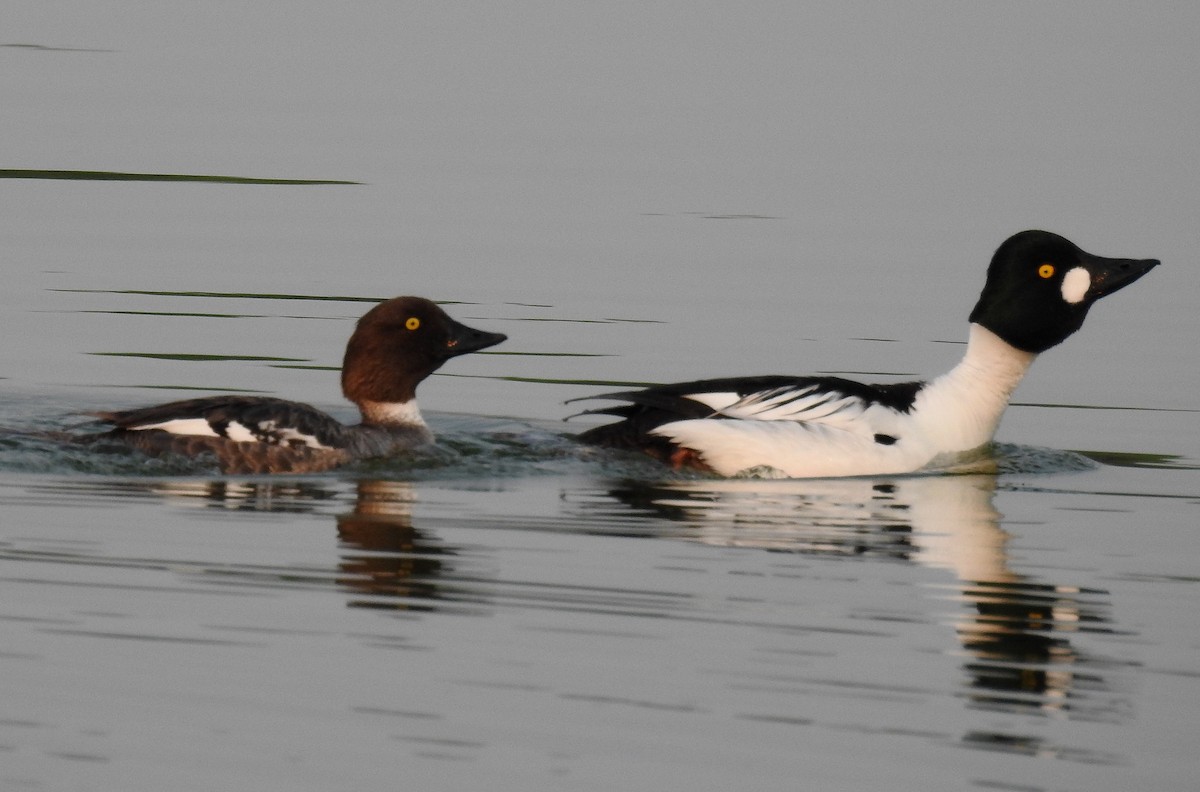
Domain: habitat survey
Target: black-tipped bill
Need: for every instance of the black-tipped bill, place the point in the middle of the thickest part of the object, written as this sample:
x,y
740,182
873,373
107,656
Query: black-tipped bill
x,y
1110,275
465,339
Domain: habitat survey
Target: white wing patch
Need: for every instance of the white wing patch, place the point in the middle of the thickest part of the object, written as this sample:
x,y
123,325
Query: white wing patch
x,y
283,435
199,427
717,401
267,432
809,404
239,434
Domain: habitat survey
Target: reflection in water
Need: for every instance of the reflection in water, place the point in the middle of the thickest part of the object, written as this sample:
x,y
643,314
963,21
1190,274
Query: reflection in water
x,y
388,558
1024,660
1019,633
22,173
294,497
384,556
1016,630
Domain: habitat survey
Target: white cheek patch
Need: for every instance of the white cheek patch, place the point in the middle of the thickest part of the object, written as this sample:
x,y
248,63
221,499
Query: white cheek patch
x,y
1075,285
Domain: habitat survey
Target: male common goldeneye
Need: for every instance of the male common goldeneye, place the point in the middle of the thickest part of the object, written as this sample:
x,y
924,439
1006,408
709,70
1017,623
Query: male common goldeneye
x,y
1039,288
396,345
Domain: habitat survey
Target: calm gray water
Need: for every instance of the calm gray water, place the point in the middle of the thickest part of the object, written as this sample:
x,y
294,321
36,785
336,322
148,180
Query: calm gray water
x,y
632,194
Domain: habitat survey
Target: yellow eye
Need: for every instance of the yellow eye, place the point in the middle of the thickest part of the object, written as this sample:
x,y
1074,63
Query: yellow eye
x,y
1046,271
412,323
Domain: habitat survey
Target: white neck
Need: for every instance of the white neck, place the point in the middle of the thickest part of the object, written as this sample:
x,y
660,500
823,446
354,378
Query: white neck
x,y
391,413
963,406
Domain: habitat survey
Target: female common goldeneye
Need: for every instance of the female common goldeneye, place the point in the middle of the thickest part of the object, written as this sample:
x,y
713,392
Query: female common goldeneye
x,y
396,345
1039,288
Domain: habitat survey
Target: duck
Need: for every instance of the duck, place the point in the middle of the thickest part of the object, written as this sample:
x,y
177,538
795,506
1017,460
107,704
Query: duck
x,y
394,347
1038,290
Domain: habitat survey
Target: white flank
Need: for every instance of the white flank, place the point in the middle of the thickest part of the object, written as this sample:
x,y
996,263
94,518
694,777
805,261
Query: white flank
x,y
816,435
199,427
1075,285
794,448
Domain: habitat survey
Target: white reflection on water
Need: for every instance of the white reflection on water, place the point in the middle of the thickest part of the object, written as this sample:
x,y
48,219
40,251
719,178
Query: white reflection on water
x,y
1015,629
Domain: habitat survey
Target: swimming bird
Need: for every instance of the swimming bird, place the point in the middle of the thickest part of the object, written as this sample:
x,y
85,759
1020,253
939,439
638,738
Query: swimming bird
x,y
1038,290
395,346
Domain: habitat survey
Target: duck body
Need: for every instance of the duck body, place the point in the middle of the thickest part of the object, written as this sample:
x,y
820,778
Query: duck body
x,y
395,346
253,434
1038,291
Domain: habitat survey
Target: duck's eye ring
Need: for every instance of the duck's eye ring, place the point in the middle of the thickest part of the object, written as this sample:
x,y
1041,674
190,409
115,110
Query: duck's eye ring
x,y
1046,271
412,323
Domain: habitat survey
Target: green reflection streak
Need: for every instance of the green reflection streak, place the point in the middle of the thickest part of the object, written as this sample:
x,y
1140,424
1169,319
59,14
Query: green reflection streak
x,y
198,358
239,295
552,381
607,320
182,313
551,354
306,368
189,388
83,175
